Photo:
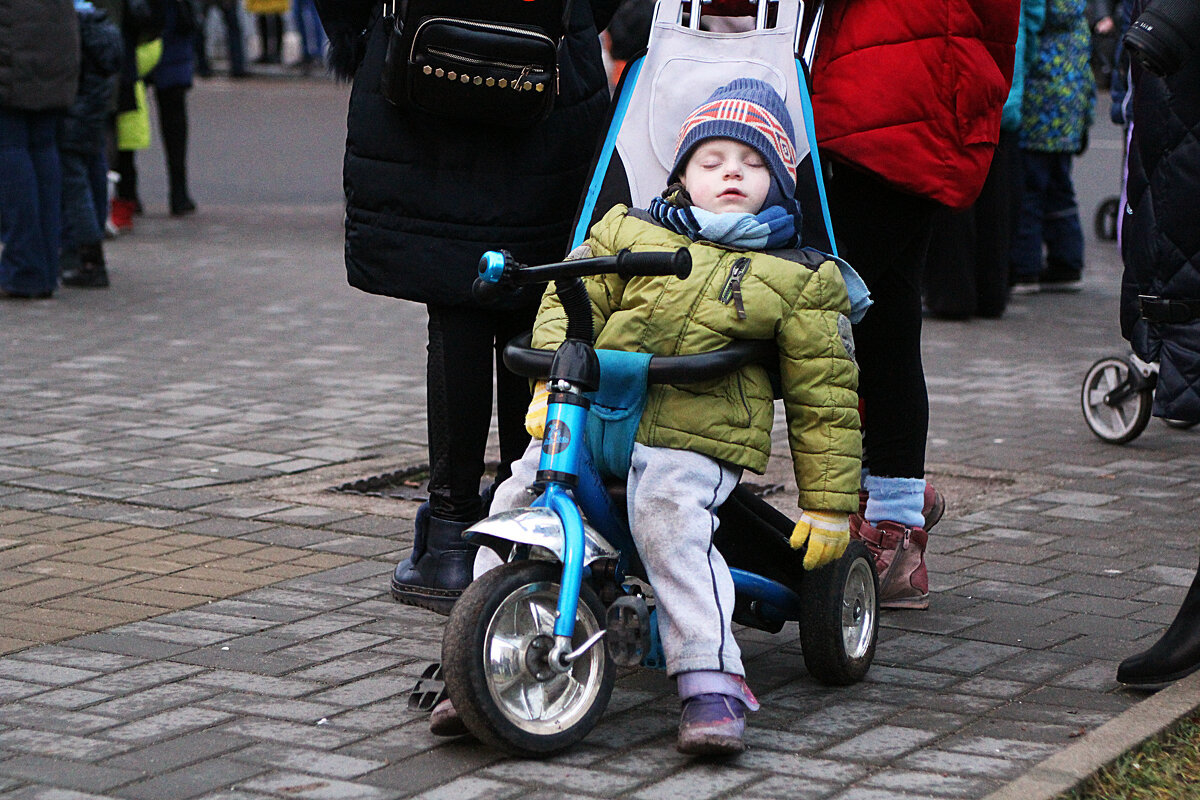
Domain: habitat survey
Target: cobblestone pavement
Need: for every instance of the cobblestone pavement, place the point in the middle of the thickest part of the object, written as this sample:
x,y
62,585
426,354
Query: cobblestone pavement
x,y
190,612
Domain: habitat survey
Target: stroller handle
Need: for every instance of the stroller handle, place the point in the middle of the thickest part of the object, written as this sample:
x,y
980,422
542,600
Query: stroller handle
x,y
529,362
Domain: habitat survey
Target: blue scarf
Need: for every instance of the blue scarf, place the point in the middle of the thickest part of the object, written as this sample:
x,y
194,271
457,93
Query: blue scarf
x,y
772,228
769,229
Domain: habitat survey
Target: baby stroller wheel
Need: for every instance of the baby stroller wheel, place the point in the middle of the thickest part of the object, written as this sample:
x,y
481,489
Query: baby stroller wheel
x,y
839,630
1116,410
494,653
1106,219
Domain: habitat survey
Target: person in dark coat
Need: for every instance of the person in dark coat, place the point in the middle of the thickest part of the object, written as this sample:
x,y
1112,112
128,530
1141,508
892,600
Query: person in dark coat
x,y
1160,288
39,74
172,79
81,148
425,198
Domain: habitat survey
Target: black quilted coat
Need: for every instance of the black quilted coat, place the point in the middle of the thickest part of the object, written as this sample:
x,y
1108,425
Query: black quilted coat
x,y
1160,241
425,197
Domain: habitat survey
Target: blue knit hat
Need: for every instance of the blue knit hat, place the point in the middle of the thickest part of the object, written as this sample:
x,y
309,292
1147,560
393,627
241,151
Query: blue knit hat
x,y
749,111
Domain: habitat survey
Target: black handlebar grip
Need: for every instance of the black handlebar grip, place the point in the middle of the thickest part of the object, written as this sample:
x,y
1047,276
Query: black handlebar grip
x,y
486,293
678,263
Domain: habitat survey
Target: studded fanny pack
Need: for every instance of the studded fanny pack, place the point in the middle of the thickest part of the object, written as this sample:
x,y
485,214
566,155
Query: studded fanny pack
x,y
494,63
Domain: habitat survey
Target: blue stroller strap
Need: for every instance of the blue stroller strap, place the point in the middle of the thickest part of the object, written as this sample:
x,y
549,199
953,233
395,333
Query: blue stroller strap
x,y
616,410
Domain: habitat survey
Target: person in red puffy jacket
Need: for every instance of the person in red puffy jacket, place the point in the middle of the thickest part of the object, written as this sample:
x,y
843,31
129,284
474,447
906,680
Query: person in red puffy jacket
x,y
906,101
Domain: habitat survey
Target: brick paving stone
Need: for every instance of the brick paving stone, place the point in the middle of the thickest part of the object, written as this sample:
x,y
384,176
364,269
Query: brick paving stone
x,y
945,761
70,774
192,781
272,707
38,717
934,783
167,723
153,700
698,782
46,674
325,737
46,743
787,788
472,788
879,744
178,751
313,762
564,777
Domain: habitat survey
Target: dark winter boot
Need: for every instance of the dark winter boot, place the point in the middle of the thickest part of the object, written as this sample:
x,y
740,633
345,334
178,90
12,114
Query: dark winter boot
x,y
439,567
90,272
1175,655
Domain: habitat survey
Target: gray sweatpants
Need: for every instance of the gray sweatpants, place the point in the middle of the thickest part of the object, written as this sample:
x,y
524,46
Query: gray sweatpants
x,y
673,498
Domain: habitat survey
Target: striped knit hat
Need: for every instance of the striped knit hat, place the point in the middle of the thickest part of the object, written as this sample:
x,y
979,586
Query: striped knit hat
x,y
749,111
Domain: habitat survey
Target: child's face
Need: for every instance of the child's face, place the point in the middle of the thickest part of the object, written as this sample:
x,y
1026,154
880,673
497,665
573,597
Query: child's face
x,y
725,175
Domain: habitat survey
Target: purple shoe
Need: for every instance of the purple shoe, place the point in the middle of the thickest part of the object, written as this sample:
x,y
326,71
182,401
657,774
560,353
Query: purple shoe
x,y
712,725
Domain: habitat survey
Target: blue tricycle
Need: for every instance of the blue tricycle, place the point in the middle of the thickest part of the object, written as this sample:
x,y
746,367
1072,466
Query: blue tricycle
x,y
530,651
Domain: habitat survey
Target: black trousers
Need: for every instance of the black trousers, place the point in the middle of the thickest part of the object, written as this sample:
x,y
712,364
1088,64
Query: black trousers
x,y
173,124
464,352
884,234
966,273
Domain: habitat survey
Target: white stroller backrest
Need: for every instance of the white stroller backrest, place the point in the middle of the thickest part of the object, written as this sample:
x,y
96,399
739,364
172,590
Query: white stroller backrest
x,y
681,67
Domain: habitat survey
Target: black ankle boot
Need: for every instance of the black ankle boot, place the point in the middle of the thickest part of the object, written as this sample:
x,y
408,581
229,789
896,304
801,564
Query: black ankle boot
x,y
1175,655
440,566
89,272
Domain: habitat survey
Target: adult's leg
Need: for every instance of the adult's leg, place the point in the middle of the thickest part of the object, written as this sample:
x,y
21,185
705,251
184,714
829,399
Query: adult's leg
x,y
993,236
235,39
30,202
1025,255
949,279
884,233
172,117
1060,227
80,225
462,344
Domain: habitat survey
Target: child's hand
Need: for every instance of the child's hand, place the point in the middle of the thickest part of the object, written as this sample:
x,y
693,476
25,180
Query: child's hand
x,y
535,417
826,532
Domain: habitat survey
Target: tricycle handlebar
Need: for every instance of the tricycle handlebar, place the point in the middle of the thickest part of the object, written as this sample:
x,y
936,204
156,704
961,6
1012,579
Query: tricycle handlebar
x,y
497,268
532,363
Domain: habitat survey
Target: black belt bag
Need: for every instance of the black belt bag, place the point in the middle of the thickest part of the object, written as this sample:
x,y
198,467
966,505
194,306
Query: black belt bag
x,y
487,71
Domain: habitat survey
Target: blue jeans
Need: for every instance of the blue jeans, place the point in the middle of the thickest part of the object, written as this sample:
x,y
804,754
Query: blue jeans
x,y
30,200
1049,216
308,24
83,209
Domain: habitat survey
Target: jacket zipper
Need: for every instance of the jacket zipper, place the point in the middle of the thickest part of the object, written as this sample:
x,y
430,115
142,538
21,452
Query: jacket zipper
x,y
733,286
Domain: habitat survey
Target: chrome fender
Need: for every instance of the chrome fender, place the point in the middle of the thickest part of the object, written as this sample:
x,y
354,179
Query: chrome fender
x,y
540,527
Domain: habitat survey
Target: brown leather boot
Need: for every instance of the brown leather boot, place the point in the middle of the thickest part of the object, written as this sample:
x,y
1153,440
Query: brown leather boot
x,y
899,553
933,508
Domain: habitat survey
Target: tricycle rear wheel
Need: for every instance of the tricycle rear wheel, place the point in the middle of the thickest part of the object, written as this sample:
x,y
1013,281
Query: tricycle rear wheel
x,y
841,617
493,656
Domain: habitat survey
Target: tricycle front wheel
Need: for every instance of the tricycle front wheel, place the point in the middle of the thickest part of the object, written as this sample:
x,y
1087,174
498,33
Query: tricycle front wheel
x,y
841,617
494,656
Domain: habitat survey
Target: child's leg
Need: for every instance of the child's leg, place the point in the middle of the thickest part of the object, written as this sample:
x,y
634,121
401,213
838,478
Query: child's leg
x,y
673,498
510,494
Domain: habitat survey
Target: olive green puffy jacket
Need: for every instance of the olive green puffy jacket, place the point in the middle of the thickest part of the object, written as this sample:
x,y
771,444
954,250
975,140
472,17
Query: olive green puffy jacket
x,y
795,297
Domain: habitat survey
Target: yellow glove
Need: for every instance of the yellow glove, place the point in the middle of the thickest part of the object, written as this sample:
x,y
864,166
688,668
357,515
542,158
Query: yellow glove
x,y
535,417
827,534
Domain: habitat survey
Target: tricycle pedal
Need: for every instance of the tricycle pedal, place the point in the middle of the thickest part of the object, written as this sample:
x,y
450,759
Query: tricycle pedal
x,y
428,690
628,624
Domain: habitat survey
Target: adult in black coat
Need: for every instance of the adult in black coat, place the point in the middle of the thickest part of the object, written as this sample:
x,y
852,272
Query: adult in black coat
x,y
1160,291
39,74
425,198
